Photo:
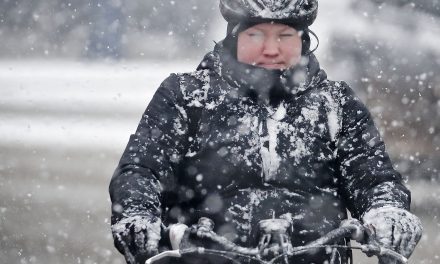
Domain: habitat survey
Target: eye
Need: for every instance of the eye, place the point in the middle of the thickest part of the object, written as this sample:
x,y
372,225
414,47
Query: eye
x,y
256,36
287,35
253,34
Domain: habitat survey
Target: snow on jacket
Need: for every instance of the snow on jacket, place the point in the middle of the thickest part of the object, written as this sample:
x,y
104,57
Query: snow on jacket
x,y
239,144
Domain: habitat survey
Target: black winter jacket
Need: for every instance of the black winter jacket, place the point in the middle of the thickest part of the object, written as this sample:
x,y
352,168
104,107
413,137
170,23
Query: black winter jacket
x,y
239,144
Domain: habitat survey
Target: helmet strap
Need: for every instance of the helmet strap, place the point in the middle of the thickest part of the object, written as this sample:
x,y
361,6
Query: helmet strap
x,y
308,51
305,38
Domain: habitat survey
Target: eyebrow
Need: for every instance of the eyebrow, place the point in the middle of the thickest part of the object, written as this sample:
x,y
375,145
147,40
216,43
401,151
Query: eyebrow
x,y
286,27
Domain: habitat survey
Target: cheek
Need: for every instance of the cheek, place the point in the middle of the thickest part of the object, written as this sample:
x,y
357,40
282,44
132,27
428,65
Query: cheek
x,y
292,51
248,51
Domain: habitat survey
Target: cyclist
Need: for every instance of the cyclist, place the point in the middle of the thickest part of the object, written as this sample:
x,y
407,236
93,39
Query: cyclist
x,y
258,131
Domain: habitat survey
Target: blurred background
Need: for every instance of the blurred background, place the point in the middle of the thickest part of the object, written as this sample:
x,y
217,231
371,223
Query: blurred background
x,y
76,76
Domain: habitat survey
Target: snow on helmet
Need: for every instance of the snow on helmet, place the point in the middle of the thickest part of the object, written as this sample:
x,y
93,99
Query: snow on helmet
x,y
300,13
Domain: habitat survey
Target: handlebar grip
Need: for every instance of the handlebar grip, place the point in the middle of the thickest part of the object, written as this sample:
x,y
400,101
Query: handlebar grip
x,y
391,253
175,254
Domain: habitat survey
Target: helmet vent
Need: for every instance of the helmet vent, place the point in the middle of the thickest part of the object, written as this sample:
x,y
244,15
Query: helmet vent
x,y
272,6
297,12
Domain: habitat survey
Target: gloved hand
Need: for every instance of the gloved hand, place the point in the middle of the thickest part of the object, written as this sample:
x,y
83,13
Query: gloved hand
x,y
396,229
176,234
137,238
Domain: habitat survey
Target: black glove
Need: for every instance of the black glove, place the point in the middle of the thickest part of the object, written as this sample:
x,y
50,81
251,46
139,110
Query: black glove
x,y
137,238
395,229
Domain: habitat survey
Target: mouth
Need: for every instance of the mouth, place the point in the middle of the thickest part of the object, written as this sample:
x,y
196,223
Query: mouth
x,y
271,65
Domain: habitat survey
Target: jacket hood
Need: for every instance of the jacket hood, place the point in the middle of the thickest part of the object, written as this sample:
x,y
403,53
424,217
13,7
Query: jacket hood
x,y
265,85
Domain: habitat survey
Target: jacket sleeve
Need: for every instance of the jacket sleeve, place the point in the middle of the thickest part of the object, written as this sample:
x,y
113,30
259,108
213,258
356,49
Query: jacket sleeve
x,y
148,164
368,179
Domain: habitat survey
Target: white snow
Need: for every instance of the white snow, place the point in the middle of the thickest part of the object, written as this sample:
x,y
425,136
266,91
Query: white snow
x,y
270,156
197,97
334,122
280,113
311,113
272,8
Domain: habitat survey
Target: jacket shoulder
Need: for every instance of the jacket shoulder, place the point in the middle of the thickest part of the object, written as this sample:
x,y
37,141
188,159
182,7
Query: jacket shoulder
x,y
195,86
337,89
341,92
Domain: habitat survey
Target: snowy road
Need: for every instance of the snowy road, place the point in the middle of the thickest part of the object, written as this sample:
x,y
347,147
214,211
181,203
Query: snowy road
x,y
63,126
74,104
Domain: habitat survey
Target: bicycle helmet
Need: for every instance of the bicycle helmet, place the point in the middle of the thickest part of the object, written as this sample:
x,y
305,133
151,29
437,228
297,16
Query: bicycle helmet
x,y
298,13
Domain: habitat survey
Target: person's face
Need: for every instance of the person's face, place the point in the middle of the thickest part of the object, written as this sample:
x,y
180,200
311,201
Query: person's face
x,y
270,45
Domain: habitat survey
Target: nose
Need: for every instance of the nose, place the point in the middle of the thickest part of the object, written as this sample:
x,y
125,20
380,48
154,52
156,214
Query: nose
x,y
271,47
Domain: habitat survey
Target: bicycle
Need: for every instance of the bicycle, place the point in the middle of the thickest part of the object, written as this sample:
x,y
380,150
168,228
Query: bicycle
x,y
274,243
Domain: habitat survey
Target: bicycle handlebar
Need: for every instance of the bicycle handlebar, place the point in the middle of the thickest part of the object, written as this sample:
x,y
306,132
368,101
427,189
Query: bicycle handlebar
x,y
349,228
